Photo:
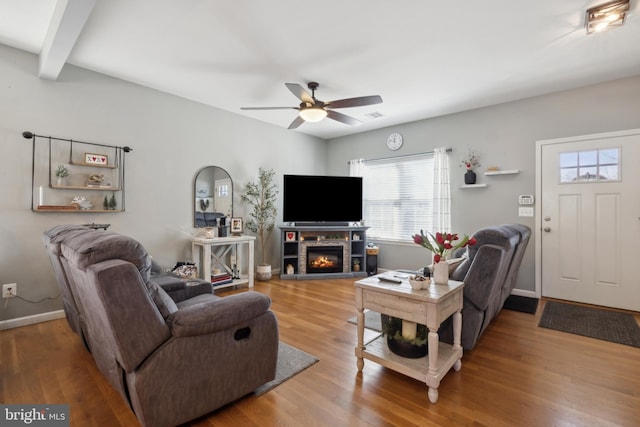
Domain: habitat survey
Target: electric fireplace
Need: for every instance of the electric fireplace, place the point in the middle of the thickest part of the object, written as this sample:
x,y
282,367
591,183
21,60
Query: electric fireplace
x,y
323,256
324,259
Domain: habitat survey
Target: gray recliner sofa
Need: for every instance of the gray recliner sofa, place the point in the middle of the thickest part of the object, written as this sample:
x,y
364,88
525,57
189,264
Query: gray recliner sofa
x,y
489,273
173,350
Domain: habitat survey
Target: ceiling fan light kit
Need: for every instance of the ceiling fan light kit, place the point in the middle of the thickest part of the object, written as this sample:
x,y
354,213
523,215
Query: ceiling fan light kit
x,y
313,114
606,16
314,110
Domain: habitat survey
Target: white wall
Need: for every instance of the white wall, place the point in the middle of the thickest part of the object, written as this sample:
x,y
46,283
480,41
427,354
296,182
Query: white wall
x,y
172,139
504,136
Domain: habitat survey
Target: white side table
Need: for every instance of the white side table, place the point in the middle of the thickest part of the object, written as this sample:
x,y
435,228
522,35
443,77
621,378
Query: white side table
x,y
429,307
220,251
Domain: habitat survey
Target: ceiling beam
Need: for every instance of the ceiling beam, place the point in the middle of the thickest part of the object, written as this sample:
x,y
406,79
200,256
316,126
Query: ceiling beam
x,y
67,22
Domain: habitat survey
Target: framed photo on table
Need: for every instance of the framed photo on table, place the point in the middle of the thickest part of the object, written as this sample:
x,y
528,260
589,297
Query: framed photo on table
x,y
236,225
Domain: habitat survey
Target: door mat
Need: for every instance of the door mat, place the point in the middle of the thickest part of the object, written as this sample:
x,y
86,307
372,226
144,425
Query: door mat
x,y
601,324
371,320
522,304
291,362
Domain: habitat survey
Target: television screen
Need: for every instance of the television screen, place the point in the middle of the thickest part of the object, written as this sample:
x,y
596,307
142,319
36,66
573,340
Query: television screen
x,y
318,199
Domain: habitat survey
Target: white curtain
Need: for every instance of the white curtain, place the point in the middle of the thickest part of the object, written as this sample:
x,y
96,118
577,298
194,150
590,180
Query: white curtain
x,y
441,191
356,167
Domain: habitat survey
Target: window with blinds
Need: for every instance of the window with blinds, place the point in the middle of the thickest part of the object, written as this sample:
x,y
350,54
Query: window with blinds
x,y
398,197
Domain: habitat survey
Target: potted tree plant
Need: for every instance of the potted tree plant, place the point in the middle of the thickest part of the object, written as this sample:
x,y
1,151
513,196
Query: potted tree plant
x,y
261,195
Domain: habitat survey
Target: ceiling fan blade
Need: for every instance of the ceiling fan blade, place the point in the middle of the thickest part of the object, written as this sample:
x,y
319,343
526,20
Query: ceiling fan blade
x,y
300,93
355,102
296,122
343,118
269,108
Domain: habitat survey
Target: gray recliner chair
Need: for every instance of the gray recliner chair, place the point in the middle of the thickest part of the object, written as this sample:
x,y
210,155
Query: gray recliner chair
x,y
178,288
489,273
51,239
173,356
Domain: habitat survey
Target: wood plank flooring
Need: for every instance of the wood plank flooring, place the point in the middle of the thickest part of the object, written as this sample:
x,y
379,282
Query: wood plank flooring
x,y
518,374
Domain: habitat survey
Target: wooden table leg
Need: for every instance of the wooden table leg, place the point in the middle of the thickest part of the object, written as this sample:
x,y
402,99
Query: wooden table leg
x,y
432,341
360,328
457,333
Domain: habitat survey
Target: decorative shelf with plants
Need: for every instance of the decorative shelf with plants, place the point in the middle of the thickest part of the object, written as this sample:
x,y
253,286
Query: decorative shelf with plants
x,y
62,166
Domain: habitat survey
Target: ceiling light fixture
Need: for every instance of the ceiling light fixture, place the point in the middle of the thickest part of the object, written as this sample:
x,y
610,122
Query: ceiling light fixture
x,y
313,114
605,16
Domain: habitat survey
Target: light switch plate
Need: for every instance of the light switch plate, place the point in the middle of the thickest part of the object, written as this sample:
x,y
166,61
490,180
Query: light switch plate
x,y
525,211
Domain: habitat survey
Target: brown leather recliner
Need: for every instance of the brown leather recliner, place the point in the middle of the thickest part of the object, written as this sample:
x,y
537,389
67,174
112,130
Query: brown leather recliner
x,y
172,360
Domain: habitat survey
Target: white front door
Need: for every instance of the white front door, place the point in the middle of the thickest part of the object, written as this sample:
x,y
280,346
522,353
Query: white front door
x,y
590,219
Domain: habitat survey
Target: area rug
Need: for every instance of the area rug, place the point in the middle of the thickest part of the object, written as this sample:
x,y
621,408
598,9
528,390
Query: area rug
x,y
598,323
522,304
371,320
291,362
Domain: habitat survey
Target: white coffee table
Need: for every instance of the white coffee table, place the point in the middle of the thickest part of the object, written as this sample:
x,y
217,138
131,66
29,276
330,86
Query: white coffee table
x,y
426,306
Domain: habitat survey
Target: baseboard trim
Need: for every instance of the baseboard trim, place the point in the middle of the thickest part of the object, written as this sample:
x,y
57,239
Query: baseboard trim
x,y
523,293
30,320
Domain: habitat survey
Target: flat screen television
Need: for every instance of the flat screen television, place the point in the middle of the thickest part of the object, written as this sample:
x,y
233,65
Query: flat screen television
x,y
322,199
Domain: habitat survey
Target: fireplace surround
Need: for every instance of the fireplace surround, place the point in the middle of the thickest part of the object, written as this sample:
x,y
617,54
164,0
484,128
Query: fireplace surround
x,y
310,252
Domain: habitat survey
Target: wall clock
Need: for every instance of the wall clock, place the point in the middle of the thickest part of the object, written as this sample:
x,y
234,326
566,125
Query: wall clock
x,y
394,141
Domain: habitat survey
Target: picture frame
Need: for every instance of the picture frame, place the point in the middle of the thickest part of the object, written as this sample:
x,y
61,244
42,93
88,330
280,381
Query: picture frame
x,y
96,159
236,225
290,236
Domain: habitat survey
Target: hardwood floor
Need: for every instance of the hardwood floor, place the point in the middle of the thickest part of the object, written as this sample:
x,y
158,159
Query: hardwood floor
x,y
518,374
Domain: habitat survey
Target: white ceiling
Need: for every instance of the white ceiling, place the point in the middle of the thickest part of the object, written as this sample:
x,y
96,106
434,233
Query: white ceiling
x,y
424,58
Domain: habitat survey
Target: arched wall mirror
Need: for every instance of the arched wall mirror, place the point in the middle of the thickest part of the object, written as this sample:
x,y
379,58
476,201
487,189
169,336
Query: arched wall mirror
x,y
212,196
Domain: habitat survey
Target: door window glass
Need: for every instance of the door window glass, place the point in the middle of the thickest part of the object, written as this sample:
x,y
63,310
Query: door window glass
x,y
590,166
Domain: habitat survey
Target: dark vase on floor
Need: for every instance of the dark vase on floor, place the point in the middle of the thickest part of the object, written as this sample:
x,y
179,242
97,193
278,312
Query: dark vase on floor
x,y
470,177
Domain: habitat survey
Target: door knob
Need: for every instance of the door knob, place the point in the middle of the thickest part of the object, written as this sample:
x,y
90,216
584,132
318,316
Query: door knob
x,y
547,229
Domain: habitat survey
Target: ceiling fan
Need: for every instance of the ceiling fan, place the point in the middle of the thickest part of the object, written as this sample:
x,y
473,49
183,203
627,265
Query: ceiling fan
x,y
314,110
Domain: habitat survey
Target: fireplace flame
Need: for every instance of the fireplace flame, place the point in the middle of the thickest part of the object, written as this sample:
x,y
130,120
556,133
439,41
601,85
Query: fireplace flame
x,y
322,262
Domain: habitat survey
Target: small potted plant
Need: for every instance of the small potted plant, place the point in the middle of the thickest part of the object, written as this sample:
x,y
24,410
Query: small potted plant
x,y
404,338
470,162
356,264
62,173
261,197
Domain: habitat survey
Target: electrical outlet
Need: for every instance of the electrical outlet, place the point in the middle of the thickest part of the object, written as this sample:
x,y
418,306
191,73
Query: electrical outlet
x,y
9,290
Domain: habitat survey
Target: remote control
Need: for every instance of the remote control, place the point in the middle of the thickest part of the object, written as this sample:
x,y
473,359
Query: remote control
x,y
389,279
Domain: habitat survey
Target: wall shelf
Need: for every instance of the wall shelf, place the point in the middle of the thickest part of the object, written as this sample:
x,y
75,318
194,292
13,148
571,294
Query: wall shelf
x,y
49,194
472,186
507,172
85,187
93,165
71,208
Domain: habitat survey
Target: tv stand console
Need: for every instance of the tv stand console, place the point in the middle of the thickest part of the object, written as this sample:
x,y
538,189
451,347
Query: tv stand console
x,y
345,247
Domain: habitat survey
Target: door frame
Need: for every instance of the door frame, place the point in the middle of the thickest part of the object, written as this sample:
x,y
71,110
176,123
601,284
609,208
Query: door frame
x,y
538,177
